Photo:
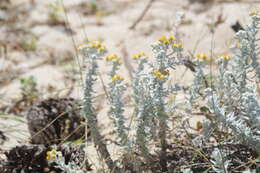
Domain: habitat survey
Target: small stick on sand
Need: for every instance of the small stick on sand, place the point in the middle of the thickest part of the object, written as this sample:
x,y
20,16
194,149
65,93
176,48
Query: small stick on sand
x,y
132,27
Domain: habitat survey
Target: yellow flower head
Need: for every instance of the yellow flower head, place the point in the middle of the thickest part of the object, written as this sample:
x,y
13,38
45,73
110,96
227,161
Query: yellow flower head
x,y
162,38
254,12
51,154
177,45
93,44
117,77
166,41
203,57
112,57
102,48
139,55
172,38
160,73
226,57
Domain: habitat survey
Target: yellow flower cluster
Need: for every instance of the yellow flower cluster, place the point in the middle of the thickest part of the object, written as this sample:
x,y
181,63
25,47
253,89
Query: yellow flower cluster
x,y
177,45
160,73
51,154
139,55
202,57
114,58
163,39
93,44
97,45
117,77
226,57
254,12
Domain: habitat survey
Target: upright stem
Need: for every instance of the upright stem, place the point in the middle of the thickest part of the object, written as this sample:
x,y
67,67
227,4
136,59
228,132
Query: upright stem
x,y
162,130
92,118
99,142
163,142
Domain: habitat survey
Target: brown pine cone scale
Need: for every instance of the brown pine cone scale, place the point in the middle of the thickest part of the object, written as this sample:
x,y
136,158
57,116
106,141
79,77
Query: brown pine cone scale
x,y
54,121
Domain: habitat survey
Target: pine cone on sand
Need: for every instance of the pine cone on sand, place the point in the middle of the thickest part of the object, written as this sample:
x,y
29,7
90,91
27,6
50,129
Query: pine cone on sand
x,y
53,121
32,159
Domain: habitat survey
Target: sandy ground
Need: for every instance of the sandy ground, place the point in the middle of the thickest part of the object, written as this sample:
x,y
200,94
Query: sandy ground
x,y
54,64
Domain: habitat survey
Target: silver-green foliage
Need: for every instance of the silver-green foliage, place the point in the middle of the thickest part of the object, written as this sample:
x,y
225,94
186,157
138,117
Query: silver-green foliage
x,y
150,92
232,97
116,89
219,161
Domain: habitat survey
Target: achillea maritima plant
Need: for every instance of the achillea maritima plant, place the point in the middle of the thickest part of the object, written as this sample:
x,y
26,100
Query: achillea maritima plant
x,y
231,94
231,104
92,52
233,98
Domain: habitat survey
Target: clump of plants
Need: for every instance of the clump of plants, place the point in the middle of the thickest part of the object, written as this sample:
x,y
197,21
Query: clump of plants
x,y
29,44
29,89
29,95
227,97
55,13
156,138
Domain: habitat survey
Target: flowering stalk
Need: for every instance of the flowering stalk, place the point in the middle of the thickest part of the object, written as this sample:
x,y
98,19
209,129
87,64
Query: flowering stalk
x,y
143,108
164,61
115,92
233,97
92,52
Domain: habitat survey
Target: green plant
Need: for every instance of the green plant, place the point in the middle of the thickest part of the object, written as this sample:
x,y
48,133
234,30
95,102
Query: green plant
x,y
55,9
29,89
29,44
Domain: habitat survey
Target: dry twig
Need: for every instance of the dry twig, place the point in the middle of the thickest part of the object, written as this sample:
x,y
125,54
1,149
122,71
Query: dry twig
x,y
147,7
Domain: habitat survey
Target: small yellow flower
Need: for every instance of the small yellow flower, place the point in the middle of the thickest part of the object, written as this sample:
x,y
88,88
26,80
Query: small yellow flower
x,y
177,45
172,38
226,57
50,157
117,77
162,38
92,45
166,41
160,73
95,44
139,55
98,44
102,48
51,154
112,57
53,151
254,12
203,57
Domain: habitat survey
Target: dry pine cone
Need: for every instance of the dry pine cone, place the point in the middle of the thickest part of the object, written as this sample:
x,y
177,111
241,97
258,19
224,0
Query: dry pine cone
x,y
32,159
54,121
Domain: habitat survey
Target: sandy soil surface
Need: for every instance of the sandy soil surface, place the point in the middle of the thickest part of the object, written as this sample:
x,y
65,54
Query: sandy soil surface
x,y
34,43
